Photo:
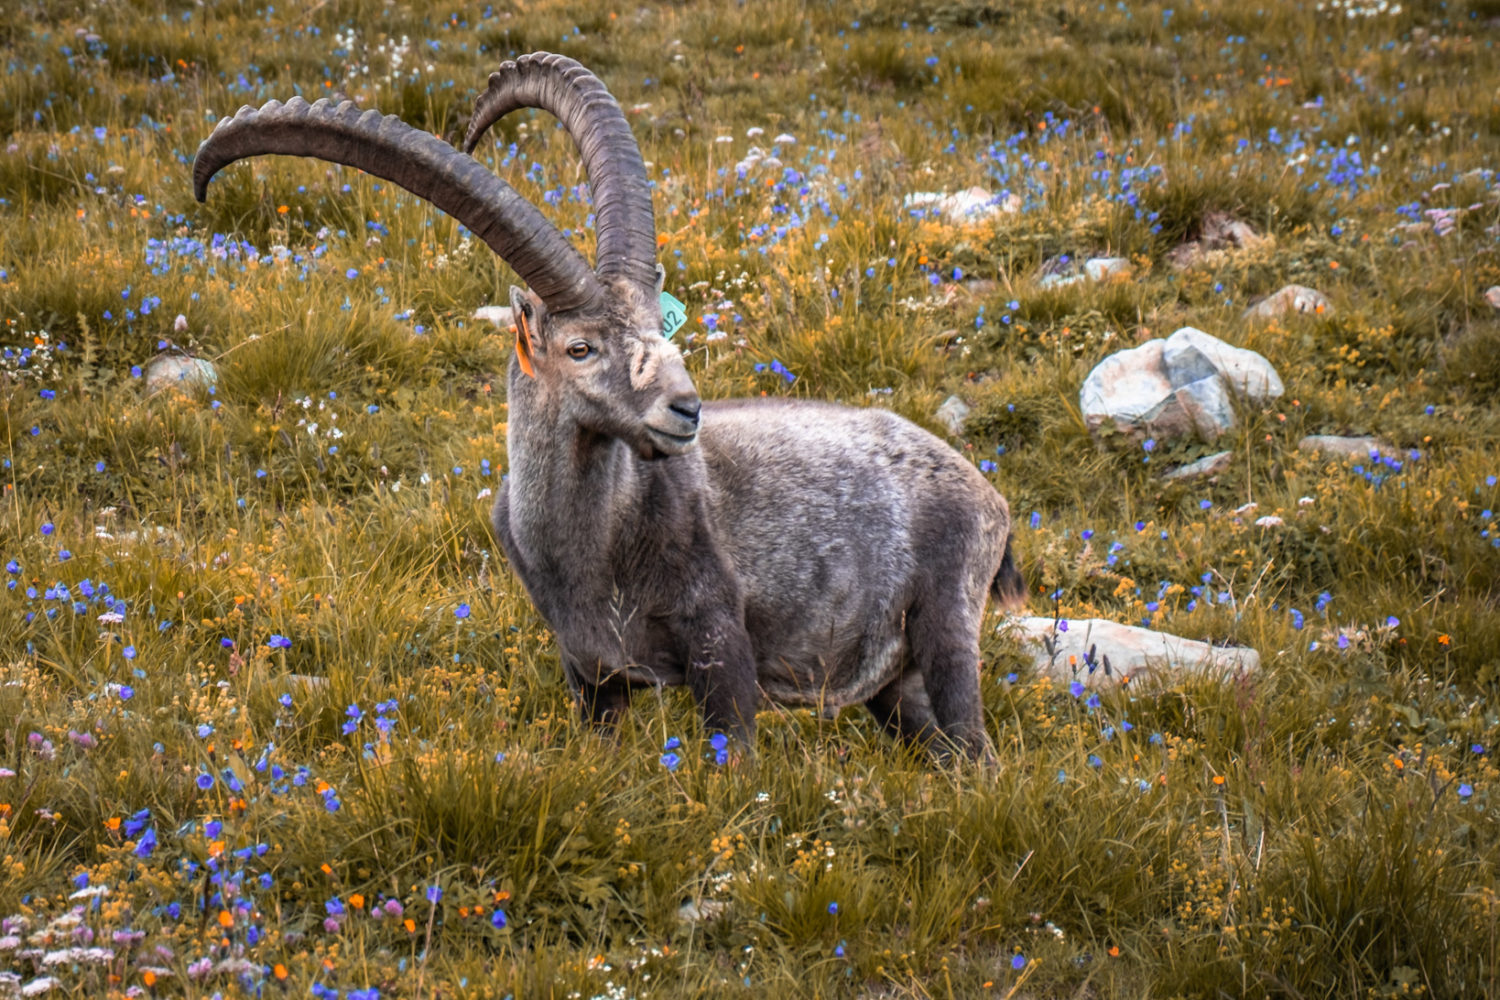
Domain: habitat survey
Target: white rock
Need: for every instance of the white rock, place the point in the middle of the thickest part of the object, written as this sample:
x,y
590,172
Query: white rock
x,y
1206,403
1131,388
498,315
1059,280
1292,298
1134,653
1492,296
704,910
1191,354
180,370
1210,465
1100,268
952,414
1176,387
1344,447
1126,386
974,204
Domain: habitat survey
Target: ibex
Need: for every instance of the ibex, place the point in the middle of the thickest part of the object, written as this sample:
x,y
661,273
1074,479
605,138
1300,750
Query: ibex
x,y
816,554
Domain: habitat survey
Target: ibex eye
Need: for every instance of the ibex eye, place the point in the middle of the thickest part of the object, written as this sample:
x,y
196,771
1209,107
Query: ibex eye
x,y
578,350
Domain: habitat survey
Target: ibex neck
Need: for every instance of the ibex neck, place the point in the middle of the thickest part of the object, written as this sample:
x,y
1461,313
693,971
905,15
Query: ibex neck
x,y
571,491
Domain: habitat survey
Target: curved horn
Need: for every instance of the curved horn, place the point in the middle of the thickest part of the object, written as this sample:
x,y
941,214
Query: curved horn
x,y
617,175
423,164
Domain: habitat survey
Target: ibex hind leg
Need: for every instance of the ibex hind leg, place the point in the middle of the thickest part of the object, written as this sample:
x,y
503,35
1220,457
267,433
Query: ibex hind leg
x,y
944,639
600,704
903,709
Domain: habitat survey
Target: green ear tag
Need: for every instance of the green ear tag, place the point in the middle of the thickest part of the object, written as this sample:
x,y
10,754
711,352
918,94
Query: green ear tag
x,y
673,314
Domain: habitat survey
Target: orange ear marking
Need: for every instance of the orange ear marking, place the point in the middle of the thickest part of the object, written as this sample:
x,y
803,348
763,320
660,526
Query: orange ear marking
x,y
523,346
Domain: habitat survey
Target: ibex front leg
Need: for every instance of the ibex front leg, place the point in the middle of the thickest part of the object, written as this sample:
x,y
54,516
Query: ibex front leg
x,y
721,670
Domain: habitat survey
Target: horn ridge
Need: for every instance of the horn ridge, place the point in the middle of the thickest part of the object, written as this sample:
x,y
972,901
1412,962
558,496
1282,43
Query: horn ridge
x,y
623,219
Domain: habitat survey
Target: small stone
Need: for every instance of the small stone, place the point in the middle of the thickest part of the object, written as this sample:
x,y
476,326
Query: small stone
x,y
1344,447
181,371
1221,234
500,316
952,415
1134,653
701,911
1058,280
1101,268
1292,298
1492,296
971,205
1210,465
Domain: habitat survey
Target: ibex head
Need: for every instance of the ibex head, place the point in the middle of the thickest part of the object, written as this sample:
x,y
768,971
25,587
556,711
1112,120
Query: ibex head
x,y
588,340
608,371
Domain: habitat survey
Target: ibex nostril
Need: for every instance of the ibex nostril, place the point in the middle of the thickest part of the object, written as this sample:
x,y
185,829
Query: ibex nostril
x,y
687,409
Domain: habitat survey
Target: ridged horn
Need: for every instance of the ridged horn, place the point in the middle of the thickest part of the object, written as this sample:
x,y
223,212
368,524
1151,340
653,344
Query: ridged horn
x,y
423,164
625,225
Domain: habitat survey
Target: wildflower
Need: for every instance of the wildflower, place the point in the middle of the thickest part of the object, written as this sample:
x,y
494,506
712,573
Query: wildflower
x,y
128,652
833,908
1095,761
1076,689
1018,962
434,894
498,919
462,611
1465,790
1036,520
670,761
146,844
279,642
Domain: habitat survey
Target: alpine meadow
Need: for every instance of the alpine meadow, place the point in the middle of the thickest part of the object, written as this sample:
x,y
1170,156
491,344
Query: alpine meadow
x,y
1208,291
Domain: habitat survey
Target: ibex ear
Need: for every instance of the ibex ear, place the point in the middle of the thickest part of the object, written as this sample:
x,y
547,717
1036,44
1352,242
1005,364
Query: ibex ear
x,y
661,277
523,310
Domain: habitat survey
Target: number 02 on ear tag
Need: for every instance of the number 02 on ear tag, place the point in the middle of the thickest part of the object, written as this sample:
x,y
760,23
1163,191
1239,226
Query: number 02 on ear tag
x,y
673,314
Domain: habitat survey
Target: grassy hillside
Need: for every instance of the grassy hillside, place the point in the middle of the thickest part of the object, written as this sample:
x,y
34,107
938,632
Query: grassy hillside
x,y
275,717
